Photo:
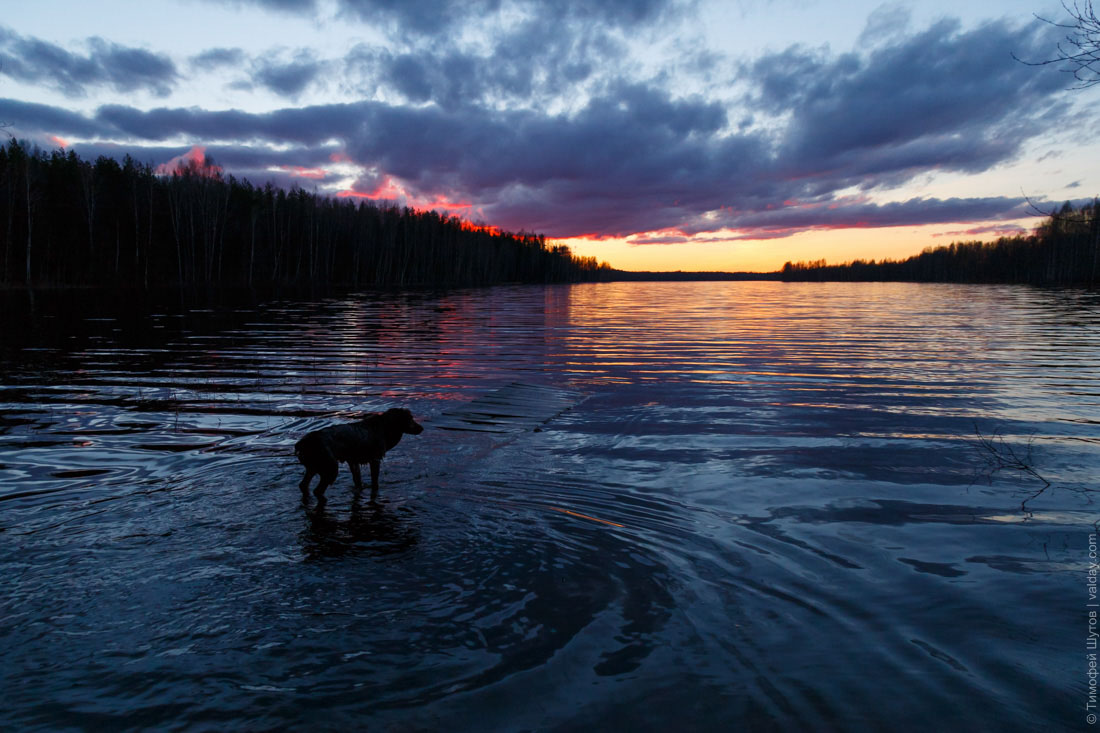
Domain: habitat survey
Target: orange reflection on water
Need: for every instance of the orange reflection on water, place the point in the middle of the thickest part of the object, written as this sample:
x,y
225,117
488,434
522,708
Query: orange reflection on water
x,y
583,516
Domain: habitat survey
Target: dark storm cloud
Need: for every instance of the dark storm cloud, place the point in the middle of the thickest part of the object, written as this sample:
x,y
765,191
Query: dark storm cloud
x,y
303,7
294,6
420,16
782,222
288,78
128,69
28,118
636,157
426,18
303,125
287,75
635,129
122,68
525,65
941,98
216,58
430,17
545,48
625,155
413,76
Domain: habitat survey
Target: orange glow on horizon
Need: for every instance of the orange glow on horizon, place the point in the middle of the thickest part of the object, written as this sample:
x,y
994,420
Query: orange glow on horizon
x,y
711,252
591,237
468,226
59,141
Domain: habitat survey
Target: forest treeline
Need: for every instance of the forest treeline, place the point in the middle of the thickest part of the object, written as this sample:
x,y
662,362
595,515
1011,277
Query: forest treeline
x,y
1063,250
68,221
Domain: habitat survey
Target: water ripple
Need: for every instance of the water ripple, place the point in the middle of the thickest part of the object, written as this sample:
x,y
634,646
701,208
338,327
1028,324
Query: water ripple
x,y
720,501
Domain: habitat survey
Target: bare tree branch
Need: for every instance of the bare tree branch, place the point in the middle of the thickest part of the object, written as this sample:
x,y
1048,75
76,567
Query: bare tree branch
x,y
1079,51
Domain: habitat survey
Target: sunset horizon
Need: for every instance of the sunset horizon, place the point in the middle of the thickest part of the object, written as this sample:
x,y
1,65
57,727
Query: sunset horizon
x,y
653,136
550,365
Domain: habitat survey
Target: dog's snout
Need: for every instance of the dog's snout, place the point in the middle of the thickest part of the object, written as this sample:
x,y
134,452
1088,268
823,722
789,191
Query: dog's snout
x,y
415,428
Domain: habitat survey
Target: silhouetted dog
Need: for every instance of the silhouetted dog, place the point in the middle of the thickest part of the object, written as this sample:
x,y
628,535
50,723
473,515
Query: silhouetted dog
x,y
365,441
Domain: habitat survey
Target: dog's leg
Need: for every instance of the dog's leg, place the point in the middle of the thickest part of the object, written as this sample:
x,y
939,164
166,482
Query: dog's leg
x,y
304,483
328,475
356,476
375,464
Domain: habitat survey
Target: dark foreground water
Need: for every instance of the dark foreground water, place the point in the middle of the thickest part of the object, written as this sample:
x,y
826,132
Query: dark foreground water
x,y
765,508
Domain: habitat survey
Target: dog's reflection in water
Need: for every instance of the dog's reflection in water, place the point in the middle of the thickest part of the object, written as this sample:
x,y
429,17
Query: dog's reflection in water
x,y
371,528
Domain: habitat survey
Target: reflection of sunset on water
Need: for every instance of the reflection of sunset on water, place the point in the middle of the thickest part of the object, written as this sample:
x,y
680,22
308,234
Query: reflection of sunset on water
x,y
617,485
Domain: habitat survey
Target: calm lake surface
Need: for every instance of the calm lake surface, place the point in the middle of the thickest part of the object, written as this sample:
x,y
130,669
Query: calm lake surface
x,y
749,506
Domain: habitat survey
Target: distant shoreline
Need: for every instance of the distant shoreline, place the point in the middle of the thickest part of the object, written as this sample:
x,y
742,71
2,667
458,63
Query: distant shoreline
x,y
683,276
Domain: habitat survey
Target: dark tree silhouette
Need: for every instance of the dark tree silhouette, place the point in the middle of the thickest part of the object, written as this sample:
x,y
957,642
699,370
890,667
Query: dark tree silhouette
x,y
1063,250
67,221
1079,52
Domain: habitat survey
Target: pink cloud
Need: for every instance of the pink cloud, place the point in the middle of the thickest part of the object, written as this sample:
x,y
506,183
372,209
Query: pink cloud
x,y
303,172
1005,230
193,161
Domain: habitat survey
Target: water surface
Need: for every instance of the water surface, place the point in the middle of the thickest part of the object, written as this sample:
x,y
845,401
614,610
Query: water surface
x,y
753,505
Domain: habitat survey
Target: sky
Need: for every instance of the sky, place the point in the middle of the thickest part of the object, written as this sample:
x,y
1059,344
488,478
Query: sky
x,y
651,134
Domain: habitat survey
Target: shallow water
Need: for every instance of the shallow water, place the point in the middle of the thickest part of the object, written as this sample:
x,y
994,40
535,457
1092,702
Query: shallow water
x,y
635,506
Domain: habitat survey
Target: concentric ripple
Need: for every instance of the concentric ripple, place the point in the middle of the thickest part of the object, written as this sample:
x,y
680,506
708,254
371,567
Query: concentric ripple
x,y
655,506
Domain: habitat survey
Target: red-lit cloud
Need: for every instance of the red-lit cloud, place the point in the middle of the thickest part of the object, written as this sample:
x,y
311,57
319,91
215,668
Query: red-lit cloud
x,y
193,161
299,171
378,187
384,188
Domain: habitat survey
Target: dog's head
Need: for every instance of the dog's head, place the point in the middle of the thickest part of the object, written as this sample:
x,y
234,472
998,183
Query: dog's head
x,y
400,417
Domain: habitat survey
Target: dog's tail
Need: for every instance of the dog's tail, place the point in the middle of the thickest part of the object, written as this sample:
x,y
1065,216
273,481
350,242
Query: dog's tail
x,y
311,449
300,448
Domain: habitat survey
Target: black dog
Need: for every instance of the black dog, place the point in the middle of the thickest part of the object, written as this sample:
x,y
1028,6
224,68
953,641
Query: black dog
x,y
365,441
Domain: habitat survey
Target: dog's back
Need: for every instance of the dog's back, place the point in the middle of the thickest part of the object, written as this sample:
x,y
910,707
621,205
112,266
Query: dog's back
x,y
366,441
359,442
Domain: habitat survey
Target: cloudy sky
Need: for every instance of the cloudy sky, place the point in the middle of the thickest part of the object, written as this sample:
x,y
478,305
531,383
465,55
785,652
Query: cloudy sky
x,y
654,134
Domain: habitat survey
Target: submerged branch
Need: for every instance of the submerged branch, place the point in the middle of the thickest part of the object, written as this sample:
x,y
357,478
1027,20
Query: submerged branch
x,y
1000,455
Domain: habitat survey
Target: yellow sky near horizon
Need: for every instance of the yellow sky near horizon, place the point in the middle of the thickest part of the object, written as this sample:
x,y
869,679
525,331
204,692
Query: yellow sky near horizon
x,y
768,255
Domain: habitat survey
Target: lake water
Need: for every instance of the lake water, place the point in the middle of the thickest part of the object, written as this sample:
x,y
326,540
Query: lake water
x,y
634,506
